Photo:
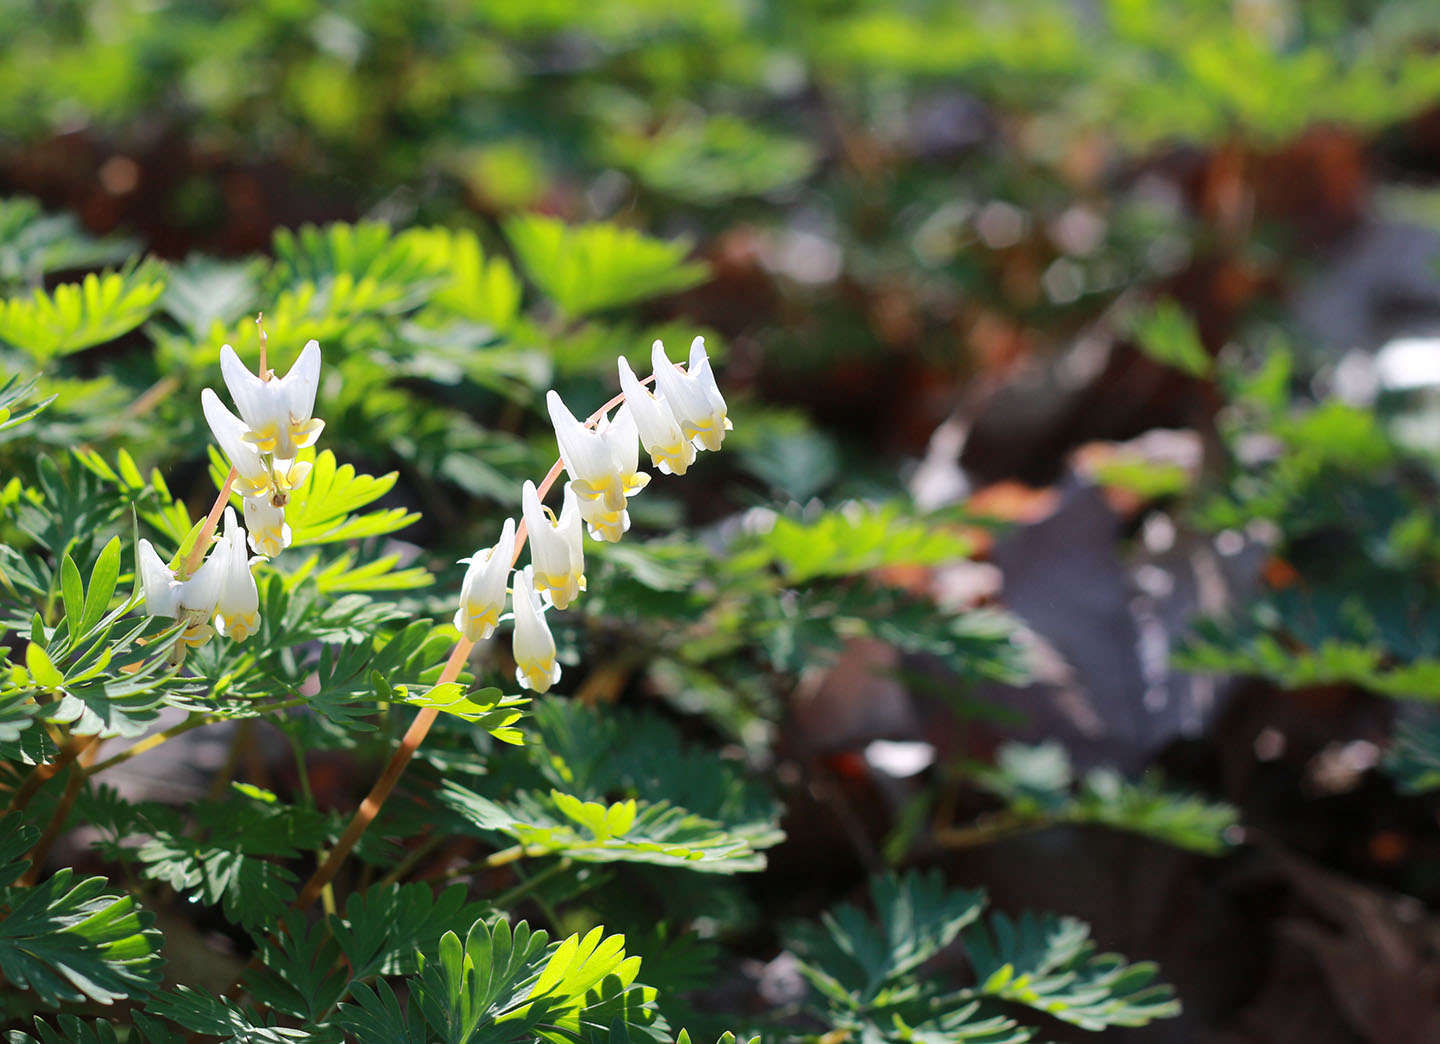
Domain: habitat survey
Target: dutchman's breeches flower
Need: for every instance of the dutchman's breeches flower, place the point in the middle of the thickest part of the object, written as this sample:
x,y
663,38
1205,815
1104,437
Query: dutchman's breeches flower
x,y
278,411
161,588
622,438
692,395
669,448
594,472
253,475
200,593
237,602
608,526
534,647
604,471
257,475
265,523
555,548
482,595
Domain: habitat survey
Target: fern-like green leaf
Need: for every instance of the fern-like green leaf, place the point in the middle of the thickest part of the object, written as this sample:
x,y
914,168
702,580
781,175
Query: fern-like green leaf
x,y
15,407
71,940
856,959
1038,785
1413,761
590,268
501,985
322,510
856,539
75,316
1048,963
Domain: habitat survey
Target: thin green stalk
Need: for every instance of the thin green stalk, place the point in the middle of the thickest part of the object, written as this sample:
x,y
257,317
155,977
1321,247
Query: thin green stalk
x,y
194,721
505,899
307,796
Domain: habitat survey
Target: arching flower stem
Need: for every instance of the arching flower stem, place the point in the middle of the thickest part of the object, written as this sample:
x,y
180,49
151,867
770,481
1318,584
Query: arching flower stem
x,y
424,719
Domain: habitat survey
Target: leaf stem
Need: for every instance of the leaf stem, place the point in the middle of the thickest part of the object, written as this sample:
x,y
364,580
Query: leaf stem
x,y
504,899
988,829
194,721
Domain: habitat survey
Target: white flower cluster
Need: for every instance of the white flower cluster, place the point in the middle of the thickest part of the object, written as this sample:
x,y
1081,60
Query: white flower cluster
x,y
685,414
275,423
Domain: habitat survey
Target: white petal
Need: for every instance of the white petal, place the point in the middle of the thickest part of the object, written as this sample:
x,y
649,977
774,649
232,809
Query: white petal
x,y
534,646
622,437
265,525
301,383
247,390
582,450
229,431
161,589
238,594
202,590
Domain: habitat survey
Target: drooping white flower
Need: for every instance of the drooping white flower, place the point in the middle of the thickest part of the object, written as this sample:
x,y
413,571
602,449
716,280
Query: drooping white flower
x,y
622,438
253,474
161,588
534,646
605,525
669,448
237,601
555,549
482,595
693,396
278,411
587,457
266,527
201,592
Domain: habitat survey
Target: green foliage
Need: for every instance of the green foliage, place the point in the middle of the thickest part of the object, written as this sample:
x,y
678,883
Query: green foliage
x,y
75,316
713,160
1167,334
1352,517
858,539
34,244
503,984
16,406
1047,963
691,811
574,807
71,940
869,974
1413,760
592,268
1039,788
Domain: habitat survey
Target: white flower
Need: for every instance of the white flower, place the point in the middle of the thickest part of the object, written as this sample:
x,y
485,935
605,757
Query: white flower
x,y
623,440
669,449
555,552
200,593
162,590
265,523
482,595
277,411
605,525
693,396
237,602
256,476
587,457
253,473
534,646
